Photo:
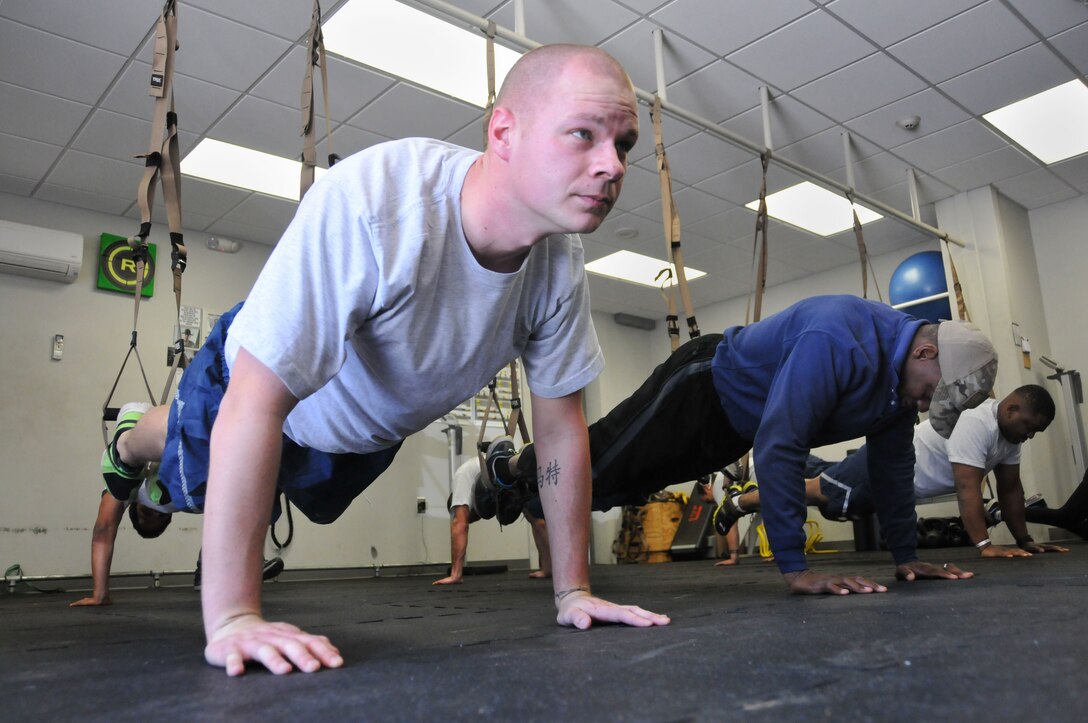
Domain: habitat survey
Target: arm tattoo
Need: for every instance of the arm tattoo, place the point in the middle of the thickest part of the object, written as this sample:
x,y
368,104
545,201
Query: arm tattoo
x,y
549,474
563,593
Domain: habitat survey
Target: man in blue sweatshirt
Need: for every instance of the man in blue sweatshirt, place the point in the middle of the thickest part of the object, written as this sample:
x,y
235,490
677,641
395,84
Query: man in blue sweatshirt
x,y
827,369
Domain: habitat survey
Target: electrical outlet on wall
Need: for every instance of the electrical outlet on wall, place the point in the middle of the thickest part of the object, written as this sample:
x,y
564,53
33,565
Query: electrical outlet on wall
x,y
421,505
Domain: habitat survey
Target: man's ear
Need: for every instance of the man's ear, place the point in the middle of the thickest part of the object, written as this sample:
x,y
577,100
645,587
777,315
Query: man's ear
x,y
500,131
927,350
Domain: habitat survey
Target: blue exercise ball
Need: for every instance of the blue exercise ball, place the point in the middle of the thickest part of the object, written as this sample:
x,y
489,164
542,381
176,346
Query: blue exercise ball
x,y
919,276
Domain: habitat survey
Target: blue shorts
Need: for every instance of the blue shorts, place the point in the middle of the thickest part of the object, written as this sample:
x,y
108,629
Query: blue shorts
x,y
320,484
846,486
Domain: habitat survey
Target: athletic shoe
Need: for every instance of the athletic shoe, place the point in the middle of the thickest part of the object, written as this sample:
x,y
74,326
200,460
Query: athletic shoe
x,y
500,449
993,513
727,515
483,499
121,479
508,505
1036,500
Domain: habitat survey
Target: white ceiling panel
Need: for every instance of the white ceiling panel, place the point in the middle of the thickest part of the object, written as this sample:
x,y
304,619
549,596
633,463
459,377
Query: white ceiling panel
x,y
37,116
54,65
263,125
1027,188
263,211
116,136
406,111
933,109
740,185
790,119
26,158
72,196
837,94
128,24
996,84
824,43
634,48
640,186
1051,17
701,156
950,145
569,21
105,176
723,26
289,19
198,102
995,166
737,92
1073,44
980,35
889,21
17,185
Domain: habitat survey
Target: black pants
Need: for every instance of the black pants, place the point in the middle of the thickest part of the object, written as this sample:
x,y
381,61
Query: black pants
x,y
1072,516
671,430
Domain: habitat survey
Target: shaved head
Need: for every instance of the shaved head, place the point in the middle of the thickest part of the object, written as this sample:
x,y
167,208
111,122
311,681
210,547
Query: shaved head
x,y
533,75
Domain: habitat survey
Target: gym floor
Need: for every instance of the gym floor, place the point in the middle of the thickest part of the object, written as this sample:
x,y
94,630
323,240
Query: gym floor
x,y
1009,645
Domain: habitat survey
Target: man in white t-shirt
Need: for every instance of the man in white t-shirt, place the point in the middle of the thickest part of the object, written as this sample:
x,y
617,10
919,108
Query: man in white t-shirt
x,y
985,439
411,274
465,508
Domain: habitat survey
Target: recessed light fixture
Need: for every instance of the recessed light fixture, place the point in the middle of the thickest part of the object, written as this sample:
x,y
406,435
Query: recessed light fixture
x,y
1052,125
814,209
410,44
627,232
636,268
245,168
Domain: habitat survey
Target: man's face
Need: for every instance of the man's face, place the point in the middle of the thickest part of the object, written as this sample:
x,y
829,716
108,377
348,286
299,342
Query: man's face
x,y
1017,425
571,149
920,379
151,521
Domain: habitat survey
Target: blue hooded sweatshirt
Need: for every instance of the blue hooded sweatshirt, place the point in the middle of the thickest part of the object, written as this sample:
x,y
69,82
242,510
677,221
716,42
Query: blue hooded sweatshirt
x,y
824,370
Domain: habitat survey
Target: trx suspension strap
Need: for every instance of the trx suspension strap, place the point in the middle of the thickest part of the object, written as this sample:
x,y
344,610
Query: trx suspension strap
x,y
491,28
515,423
672,321
759,251
961,304
671,220
316,57
863,253
163,158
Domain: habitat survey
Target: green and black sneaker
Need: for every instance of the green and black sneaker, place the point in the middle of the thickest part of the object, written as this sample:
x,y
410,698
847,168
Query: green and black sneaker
x,y
121,479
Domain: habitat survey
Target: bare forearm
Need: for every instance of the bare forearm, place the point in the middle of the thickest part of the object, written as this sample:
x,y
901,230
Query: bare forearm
x,y
101,562
565,489
458,547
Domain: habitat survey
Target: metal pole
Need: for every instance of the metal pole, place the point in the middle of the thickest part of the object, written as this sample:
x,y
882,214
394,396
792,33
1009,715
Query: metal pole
x,y
765,104
912,186
519,17
848,157
659,61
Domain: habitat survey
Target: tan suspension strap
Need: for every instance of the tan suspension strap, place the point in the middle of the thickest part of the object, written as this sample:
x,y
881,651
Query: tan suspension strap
x,y
672,321
315,57
491,29
863,253
515,423
961,303
759,250
671,220
162,163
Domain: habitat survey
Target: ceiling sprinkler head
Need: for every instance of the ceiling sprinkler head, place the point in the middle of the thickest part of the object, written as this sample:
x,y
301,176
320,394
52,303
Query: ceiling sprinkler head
x,y
909,123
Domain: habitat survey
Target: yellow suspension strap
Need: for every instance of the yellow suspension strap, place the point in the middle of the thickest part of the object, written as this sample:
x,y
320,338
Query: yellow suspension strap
x,y
491,29
515,423
863,253
671,220
315,58
161,162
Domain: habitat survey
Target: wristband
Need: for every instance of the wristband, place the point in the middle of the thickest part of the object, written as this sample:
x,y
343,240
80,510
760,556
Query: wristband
x,y
983,544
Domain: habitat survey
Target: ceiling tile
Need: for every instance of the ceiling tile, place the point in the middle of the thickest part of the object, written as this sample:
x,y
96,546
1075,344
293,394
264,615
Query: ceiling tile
x,y
16,185
634,48
1032,186
790,122
25,158
351,86
223,51
985,169
824,152
644,6
1074,46
289,19
198,103
976,37
120,137
740,185
650,233
55,65
874,173
672,131
1052,17
80,198
243,232
470,136
640,186
881,126
1056,198
261,125
120,27
702,156
723,26
569,21
1004,81
262,212
888,21
824,43
883,79
694,204
1074,170
106,176
734,227
898,196
950,145
213,199
39,116
407,111
716,92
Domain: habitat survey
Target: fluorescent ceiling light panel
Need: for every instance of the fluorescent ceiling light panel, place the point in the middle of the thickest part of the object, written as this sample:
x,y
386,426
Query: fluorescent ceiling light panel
x,y
413,45
636,268
246,168
814,209
1052,125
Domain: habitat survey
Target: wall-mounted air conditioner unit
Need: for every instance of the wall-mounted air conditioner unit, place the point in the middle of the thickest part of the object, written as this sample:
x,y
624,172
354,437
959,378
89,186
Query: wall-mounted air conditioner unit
x,y
40,252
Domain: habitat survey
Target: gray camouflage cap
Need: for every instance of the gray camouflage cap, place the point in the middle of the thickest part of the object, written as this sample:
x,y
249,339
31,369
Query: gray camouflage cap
x,y
968,369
